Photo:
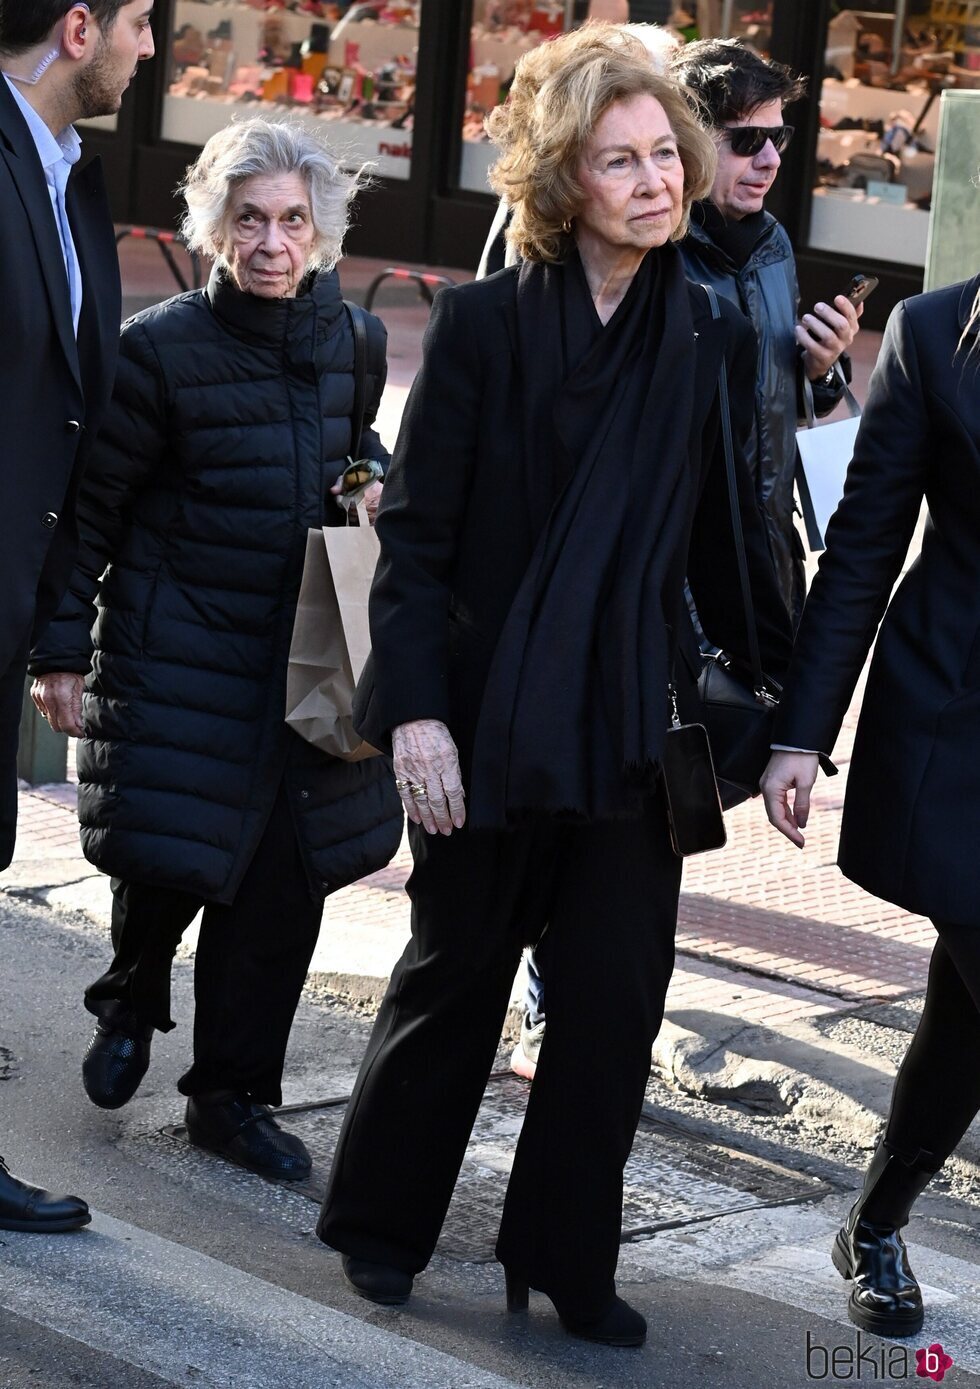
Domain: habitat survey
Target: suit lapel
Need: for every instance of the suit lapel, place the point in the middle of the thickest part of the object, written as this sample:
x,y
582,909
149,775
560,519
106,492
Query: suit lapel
x,y
19,152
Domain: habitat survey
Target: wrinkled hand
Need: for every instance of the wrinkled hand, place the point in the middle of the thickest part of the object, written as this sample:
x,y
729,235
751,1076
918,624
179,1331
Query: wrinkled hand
x,y
786,772
58,697
425,756
826,333
371,498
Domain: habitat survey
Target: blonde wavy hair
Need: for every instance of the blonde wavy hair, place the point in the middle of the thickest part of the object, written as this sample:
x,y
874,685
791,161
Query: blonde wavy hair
x,y
560,91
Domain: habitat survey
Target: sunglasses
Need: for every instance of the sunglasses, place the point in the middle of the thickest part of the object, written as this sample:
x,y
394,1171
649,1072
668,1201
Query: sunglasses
x,y
750,140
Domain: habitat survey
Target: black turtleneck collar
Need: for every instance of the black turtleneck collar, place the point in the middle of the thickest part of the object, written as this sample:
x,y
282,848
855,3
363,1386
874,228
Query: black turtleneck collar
x,y
738,238
275,320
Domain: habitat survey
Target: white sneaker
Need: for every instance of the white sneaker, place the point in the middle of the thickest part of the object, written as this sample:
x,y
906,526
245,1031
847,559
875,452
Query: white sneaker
x,y
524,1061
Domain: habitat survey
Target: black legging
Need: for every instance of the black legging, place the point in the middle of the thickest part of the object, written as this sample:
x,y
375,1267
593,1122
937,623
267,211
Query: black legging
x,y
937,1093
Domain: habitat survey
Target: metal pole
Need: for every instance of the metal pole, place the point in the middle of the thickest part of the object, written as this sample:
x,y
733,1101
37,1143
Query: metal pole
x,y
727,18
569,14
898,31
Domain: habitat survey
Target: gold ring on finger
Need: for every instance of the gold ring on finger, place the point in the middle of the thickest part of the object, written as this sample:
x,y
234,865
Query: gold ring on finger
x,y
417,789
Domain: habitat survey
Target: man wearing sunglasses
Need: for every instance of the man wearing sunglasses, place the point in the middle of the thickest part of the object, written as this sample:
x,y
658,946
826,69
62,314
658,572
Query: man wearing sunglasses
x,y
740,249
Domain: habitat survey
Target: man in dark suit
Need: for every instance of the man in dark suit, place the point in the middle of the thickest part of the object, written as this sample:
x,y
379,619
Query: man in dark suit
x,y
59,287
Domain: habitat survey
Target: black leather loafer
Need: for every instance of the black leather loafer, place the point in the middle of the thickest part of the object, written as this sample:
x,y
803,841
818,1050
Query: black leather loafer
x,y
36,1211
246,1133
117,1059
389,1287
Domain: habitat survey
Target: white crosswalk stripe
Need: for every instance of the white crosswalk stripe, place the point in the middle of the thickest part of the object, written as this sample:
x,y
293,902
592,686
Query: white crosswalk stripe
x,y
191,1319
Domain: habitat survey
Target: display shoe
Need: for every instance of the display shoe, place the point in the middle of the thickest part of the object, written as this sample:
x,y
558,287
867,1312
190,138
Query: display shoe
x,y
117,1059
246,1133
36,1211
618,1325
870,1251
524,1062
380,1283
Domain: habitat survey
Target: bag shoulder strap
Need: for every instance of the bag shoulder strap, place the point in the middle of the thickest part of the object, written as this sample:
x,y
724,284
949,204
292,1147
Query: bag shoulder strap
x,y
751,628
358,322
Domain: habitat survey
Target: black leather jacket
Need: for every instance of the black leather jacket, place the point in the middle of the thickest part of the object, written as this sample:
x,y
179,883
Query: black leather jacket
x,y
766,291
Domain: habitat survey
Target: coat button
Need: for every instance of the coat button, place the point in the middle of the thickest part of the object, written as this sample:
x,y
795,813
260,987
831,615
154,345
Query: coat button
x,y
73,427
50,520
304,795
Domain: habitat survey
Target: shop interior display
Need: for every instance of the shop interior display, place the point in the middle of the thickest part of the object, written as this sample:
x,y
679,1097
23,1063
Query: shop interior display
x,y
353,64
879,119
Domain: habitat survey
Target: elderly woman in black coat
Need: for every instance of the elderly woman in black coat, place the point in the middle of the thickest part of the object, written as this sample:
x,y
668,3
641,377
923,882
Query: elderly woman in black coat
x,y
558,472
229,426
911,823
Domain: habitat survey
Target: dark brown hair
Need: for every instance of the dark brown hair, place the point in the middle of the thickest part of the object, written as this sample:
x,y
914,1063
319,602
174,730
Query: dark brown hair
x,y
26,23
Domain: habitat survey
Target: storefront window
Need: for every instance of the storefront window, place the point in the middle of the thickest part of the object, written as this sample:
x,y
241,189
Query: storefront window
x,y
750,20
345,69
504,30
879,123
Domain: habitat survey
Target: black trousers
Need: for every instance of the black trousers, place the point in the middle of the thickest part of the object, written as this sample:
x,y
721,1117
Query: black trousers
x,y
937,1093
252,958
12,682
608,894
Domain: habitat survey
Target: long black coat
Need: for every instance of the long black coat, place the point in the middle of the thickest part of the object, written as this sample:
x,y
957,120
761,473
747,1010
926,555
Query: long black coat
x,y
54,391
456,538
229,422
911,824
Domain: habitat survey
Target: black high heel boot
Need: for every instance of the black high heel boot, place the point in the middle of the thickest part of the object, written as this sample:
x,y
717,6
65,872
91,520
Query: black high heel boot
x,y
619,1324
869,1249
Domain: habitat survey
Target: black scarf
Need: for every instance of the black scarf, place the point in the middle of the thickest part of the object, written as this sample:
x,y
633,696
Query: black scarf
x,y
737,236
576,708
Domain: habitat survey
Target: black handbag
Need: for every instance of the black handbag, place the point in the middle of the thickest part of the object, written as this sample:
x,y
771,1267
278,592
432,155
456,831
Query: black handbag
x,y
737,706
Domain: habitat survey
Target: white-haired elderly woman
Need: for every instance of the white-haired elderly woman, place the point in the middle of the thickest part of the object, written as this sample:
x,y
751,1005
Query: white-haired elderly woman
x,y
229,428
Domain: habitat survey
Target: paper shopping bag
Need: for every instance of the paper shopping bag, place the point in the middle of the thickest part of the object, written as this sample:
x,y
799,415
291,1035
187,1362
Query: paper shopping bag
x,y
331,639
825,453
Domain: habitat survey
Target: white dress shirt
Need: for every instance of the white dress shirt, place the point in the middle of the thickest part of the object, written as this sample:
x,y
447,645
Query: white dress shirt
x,y
58,155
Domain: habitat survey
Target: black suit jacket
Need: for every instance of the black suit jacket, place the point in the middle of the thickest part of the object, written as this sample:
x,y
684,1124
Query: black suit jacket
x,y
455,532
912,810
54,390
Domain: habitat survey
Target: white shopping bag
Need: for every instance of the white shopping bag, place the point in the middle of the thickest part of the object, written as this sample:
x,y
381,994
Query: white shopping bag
x,y
825,452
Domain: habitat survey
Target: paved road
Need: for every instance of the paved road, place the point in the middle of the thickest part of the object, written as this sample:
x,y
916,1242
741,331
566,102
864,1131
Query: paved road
x,y
196,1273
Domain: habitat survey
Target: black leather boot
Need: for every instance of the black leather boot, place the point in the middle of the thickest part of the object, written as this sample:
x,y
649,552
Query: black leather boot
x,y
36,1211
885,1298
380,1283
117,1059
244,1132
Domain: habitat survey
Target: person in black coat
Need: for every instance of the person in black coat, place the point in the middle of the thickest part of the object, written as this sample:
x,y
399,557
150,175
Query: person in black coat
x,y
558,471
229,426
59,287
911,819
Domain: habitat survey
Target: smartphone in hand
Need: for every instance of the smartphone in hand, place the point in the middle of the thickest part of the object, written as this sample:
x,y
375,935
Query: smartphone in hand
x,y
860,288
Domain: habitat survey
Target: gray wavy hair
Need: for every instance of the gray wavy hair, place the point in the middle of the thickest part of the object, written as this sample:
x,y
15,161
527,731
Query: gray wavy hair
x,y
256,146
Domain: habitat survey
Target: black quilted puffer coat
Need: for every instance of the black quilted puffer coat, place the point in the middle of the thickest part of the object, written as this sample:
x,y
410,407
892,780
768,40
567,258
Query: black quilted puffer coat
x,y
230,420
